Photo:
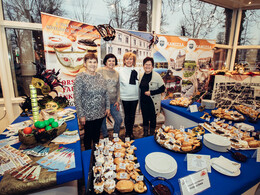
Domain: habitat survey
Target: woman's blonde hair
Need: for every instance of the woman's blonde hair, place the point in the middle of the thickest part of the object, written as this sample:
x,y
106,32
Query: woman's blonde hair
x,y
128,55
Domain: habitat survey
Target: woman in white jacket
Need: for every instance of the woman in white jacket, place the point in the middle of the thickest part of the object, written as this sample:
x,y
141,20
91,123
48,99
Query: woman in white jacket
x,y
151,87
129,91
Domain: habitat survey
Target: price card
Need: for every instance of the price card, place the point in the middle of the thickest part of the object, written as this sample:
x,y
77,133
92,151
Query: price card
x,y
207,119
106,152
118,146
106,141
127,139
136,166
122,165
113,167
199,137
172,140
123,175
115,135
132,147
197,162
130,157
117,154
111,148
98,164
193,108
116,139
182,128
194,183
140,178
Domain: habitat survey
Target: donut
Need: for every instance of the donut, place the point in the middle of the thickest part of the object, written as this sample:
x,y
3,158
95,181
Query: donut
x,y
87,44
60,43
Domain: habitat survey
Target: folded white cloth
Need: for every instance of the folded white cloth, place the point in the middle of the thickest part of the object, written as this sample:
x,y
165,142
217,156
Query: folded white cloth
x,y
227,164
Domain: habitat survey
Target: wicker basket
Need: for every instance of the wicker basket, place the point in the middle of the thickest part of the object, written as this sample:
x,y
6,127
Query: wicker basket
x,y
41,137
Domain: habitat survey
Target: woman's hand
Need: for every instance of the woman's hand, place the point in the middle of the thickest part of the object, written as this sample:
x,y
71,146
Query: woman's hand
x,y
117,106
107,112
82,120
148,93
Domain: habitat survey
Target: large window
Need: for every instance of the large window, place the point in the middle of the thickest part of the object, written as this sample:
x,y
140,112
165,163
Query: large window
x,y
196,19
250,28
125,14
250,58
24,48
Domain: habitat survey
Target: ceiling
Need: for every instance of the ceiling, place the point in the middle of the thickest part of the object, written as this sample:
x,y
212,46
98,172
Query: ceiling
x,y
236,4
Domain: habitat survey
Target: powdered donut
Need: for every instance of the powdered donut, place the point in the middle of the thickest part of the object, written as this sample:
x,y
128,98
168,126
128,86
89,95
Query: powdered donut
x,y
59,42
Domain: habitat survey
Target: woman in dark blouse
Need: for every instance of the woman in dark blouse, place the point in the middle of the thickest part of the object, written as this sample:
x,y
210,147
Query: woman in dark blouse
x,y
151,87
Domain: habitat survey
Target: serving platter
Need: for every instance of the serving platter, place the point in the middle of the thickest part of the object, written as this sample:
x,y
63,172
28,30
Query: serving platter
x,y
223,171
177,140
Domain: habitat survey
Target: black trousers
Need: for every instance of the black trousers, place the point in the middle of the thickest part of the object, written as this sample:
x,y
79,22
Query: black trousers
x,y
92,132
148,113
129,110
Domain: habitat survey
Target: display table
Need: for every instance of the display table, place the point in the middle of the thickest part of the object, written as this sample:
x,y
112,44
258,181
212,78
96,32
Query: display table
x,y
176,116
220,184
69,175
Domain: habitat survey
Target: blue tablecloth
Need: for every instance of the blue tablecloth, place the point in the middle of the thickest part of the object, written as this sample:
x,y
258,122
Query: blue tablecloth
x,y
220,184
195,116
72,174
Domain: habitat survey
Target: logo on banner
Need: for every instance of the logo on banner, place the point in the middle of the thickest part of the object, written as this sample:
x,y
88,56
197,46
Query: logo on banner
x,y
162,43
191,46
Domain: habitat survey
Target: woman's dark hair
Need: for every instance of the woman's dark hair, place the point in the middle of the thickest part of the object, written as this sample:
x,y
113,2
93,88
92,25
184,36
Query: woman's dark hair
x,y
148,59
110,55
90,56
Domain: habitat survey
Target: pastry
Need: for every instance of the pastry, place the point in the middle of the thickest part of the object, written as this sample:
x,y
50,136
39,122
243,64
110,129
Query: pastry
x,y
98,185
109,186
125,186
254,144
140,187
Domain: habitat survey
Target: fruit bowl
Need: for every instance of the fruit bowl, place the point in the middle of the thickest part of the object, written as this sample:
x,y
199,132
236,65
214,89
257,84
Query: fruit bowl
x,y
41,136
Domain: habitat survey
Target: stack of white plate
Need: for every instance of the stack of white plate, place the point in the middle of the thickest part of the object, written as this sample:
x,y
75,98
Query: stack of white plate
x,y
216,142
159,164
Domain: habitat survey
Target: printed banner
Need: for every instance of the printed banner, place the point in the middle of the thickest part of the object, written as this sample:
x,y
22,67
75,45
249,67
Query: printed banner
x,y
183,63
66,42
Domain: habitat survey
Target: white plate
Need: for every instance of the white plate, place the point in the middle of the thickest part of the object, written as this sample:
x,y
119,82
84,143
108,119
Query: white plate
x,y
223,171
160,164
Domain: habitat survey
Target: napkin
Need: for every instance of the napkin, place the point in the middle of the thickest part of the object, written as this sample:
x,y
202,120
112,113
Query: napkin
x,y
227,164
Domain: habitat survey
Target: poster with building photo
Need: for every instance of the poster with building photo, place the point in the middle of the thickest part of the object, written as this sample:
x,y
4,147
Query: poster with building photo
x,y
236,90
128,41
197,66
169,56
66,42
187,63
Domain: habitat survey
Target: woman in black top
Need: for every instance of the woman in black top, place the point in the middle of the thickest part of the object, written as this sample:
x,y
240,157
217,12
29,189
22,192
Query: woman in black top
x,y
151,87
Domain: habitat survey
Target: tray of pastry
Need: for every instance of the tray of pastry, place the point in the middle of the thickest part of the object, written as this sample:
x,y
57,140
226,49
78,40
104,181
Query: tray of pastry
x,y
239,139
115,169
228,115
248,111
181,101
177,140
